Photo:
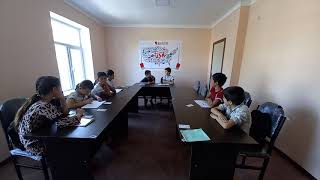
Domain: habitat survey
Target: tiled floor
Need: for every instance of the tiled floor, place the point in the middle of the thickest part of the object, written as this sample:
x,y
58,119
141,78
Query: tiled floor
x,y
151,152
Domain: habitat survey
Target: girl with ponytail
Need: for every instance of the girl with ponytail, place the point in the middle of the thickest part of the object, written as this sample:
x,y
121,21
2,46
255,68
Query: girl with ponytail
x,y
39,112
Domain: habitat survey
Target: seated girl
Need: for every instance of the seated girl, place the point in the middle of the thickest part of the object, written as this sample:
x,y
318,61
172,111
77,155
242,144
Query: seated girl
x,y
39,112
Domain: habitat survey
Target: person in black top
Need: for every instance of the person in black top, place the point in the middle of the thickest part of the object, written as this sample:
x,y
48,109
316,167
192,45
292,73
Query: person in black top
x,y
148,78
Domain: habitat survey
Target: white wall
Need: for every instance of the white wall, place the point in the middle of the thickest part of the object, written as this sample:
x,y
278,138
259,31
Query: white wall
x,y
281,64
27,50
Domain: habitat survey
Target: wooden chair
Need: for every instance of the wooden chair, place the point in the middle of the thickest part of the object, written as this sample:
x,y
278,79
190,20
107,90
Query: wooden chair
x,y
7,114
196,86
203,90
277,120
247,100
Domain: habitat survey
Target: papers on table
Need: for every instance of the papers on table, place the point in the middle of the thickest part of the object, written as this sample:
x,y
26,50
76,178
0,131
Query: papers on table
x,y
189,105
202,103
194,135
107,103
118,90
102,110
93,105
184,126
85,122
164,84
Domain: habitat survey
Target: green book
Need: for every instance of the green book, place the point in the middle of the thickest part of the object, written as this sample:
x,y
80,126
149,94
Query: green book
x,y
194,135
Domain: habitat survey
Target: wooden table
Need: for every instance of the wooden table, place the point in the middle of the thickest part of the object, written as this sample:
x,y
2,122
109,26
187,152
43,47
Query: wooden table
x,y
214,159
70,149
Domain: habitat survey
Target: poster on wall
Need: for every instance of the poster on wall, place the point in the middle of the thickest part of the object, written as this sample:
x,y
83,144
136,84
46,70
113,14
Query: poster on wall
x,y
160,54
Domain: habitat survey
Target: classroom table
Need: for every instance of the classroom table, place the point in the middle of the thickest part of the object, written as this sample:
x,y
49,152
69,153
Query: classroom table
x,y
70,149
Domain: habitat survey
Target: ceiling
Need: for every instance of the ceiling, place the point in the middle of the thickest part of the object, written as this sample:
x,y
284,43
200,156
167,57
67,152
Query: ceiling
x,y
166,13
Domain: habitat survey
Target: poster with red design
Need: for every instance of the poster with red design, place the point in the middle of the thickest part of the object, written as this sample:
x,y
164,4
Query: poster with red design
x,y
160,54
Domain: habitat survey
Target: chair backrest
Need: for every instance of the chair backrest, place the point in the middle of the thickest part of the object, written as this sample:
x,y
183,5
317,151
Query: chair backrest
x,y
203,90
278,118
8,111
247,99
196,86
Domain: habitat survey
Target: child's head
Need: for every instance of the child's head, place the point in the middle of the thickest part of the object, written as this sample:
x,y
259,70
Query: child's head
x,y
85,87
110,74
218,79
102,77
147,73
48,85
233,95
168,71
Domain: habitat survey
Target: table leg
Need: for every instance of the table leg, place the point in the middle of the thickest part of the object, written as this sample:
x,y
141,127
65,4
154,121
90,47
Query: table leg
x,y
212,161
69,160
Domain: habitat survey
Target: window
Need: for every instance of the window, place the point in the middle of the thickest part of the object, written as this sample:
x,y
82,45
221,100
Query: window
x,y
73,51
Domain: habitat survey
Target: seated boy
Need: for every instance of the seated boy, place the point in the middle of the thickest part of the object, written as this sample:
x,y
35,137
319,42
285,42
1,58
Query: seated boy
x,y
149,79
233,112
82,95
110,77
215,96
167,79
102,89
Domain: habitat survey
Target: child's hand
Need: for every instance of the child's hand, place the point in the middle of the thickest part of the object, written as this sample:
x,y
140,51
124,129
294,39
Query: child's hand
x,y
80,113
98,98
88,101
222,118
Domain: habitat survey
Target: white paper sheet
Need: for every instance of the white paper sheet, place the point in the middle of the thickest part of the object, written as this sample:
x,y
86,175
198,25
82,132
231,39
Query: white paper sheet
x,y
93,105
107,103
163,84
184,126
118,90
202,103
102,110
85,121
189,105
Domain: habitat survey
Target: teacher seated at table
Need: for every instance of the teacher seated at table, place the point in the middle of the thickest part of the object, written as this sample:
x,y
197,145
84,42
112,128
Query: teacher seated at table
x,y
39,112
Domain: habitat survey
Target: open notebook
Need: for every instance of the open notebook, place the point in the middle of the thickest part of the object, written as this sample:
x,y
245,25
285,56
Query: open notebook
x,y
194,135
93,105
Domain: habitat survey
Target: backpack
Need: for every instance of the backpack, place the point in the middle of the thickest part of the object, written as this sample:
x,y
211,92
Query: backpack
x,y
261,125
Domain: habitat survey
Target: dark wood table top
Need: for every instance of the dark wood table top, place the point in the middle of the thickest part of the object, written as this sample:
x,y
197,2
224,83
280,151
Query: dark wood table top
x,y
195,116
198,117
100,123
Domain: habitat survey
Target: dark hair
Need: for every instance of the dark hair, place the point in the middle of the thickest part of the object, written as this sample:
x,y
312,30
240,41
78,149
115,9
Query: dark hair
x,y
168,69
44,86
85,84
110,73
235,94
220,78
101,74
147,72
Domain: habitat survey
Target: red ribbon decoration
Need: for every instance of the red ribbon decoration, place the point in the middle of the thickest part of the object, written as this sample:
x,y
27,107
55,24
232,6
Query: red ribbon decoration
x,y
178,66
142,65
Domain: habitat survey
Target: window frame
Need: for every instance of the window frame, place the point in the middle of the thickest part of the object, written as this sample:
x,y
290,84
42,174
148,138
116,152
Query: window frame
x,y
68,48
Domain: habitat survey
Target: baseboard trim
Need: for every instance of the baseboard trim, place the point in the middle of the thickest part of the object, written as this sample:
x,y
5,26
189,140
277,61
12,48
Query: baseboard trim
x,y
294,163
5,161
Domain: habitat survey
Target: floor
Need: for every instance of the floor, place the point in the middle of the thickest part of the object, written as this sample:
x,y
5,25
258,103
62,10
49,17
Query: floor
x,y
152,152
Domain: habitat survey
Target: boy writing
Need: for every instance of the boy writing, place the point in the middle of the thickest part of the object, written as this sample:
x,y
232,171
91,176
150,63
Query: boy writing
x,y
82,95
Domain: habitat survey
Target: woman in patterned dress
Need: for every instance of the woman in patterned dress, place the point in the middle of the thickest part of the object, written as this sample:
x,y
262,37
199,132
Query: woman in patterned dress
x,y
39,112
